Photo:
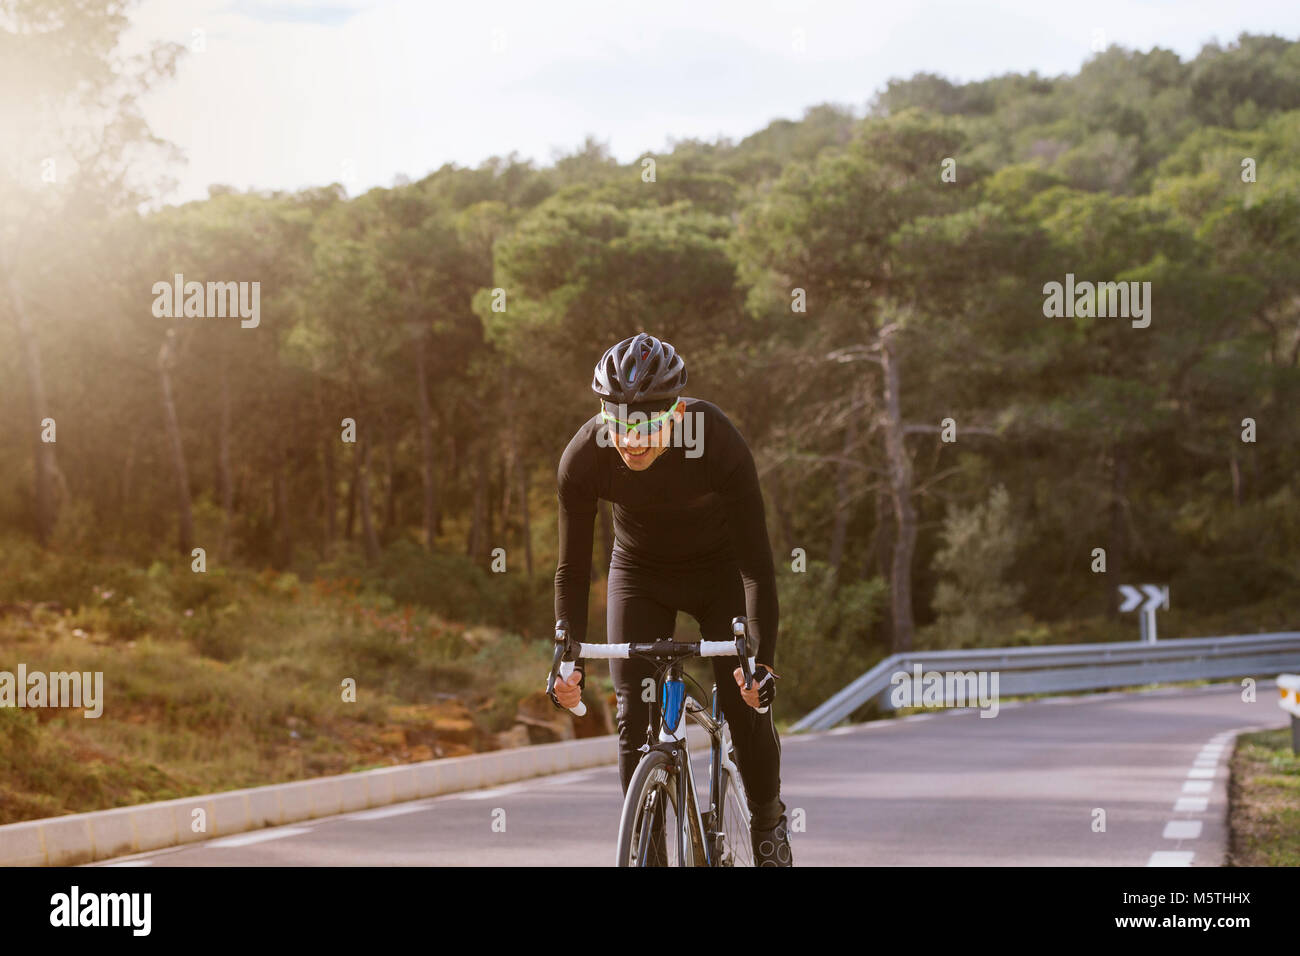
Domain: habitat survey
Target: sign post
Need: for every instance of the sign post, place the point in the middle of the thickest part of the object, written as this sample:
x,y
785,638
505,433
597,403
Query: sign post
x,y
1288,686
1156,598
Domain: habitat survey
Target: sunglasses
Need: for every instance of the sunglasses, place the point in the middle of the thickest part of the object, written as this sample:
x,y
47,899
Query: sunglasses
x,y
647,426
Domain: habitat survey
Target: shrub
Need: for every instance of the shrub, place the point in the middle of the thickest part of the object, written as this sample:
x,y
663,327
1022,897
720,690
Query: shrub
x,y
825,634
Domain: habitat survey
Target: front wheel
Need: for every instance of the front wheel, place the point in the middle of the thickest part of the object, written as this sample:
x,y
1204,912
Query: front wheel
x,y
647,831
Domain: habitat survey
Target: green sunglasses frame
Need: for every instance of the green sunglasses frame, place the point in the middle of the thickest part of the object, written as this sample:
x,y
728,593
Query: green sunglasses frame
x,y
648,427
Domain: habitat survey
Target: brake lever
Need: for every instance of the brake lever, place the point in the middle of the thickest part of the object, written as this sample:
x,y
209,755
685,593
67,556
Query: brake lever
x,y
555,665
742,651
562,663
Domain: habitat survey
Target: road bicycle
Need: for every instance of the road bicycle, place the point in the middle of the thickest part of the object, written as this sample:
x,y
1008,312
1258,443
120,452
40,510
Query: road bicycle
x,y
662,823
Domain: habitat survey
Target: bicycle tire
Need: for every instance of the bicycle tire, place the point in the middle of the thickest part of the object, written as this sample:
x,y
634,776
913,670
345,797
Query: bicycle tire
x,y
653,790
738,844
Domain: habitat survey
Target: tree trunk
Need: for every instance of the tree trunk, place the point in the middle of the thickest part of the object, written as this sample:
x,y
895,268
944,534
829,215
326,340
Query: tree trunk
x,y
1116,553
390,489
843,511
282,552
900,487
476,544
507,474
46,465
878,551
128,465
363,501
185,516
225,484
327,482
428,477
350,523
490,489
526,529
783,518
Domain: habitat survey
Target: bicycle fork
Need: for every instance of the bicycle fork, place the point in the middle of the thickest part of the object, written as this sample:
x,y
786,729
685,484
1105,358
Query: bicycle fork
x,y
691,833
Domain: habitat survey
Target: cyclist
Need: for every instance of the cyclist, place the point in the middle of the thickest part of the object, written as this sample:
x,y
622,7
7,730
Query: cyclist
x,y
690,535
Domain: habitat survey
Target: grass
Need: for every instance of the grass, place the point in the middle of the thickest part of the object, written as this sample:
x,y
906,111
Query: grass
x,y
233,680
1264,801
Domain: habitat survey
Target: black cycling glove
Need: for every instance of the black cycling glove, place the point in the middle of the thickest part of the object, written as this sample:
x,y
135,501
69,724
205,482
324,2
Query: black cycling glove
x,y
766,682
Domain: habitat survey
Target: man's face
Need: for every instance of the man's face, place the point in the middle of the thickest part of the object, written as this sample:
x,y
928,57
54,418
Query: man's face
x,y
637,449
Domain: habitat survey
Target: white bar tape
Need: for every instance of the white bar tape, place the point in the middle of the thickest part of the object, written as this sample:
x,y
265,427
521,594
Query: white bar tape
x,y
620,651
606,651
717,648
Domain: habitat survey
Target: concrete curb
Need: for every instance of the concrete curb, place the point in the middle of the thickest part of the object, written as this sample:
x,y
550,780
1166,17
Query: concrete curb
x,y
85,837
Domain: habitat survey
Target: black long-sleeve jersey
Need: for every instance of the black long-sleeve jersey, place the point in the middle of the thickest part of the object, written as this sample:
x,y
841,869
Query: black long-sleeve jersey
x,y
679,513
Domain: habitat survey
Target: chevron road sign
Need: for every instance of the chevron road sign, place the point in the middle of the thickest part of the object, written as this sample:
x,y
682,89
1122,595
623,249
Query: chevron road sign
x,y
1148,600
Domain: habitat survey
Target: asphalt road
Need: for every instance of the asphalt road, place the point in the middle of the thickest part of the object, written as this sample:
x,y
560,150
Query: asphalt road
x,y
944,789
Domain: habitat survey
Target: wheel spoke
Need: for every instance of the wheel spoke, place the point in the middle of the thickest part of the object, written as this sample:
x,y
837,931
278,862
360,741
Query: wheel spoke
x,y
738,849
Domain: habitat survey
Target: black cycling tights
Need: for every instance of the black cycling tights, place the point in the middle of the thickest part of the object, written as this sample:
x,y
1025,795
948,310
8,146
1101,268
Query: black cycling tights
x,y
642,606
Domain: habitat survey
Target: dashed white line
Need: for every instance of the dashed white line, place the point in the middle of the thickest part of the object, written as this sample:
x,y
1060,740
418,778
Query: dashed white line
x,y
489,794
560,778
1194,800
1182,830
393,811
261,836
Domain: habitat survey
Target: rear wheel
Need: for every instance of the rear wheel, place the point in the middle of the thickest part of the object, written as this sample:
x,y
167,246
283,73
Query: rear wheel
x,y
647,832
737,846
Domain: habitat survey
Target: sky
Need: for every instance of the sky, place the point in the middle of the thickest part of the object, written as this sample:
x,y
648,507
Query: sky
x,y
286,94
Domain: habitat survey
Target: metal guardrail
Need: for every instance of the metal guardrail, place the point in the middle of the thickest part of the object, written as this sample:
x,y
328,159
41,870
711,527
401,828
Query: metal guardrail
x,y
1062,667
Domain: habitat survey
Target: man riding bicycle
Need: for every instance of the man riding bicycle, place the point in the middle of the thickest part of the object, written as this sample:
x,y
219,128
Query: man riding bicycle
x,y
690,535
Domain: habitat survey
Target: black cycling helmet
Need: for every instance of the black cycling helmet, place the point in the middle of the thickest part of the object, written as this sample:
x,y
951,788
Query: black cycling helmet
x,y
639,369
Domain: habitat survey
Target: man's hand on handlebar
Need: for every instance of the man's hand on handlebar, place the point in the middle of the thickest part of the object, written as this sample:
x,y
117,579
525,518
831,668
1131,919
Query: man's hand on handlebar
x,y
568,690
761,692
